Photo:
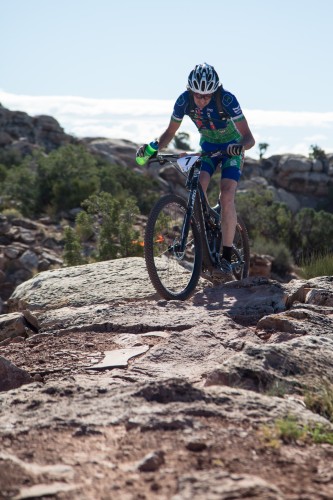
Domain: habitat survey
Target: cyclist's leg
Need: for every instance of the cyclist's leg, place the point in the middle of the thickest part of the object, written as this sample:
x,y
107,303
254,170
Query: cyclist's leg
x,y
230,174
228,189
204,180
207,169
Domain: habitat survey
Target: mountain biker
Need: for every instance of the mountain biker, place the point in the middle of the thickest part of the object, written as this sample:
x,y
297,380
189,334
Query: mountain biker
x,y
222,126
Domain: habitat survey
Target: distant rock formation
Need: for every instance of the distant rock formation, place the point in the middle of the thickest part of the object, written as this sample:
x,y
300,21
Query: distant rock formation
x,y
19,131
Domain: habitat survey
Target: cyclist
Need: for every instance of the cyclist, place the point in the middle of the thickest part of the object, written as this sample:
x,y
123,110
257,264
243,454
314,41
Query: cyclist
x,y
222,126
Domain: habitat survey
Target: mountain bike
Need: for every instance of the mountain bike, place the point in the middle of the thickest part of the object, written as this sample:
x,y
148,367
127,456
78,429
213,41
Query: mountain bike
x,y
183,238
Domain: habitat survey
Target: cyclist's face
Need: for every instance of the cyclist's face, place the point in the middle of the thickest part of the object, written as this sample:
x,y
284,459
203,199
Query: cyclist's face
x,y
201,100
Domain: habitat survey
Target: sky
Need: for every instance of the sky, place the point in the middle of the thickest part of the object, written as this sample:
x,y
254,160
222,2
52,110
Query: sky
x,y
115,68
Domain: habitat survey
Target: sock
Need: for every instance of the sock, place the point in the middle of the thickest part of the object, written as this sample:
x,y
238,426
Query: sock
x,y
226,253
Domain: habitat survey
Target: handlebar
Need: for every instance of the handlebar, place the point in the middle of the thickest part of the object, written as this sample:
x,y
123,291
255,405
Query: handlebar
x,y
162,158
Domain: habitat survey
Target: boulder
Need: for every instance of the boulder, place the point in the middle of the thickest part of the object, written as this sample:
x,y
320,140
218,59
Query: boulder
x,y
11,376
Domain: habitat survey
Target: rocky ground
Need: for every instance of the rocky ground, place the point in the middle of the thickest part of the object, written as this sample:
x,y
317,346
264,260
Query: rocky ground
x,y
109,392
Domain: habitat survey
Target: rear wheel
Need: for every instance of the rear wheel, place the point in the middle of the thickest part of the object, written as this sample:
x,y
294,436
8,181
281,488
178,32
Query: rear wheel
x,y
174,274
241,251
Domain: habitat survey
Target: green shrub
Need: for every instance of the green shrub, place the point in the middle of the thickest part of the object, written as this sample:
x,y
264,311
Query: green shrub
x,y
263,216
20,187
282,257
312,233
307,233
123,184
289,430
113,224
72,249
84,226
65,178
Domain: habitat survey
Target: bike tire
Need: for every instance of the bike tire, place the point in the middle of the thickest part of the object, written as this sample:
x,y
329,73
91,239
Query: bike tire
x,y
241,250
173,275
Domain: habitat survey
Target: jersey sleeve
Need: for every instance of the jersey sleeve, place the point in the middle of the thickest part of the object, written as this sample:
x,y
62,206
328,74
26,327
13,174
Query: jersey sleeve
x,y
179,109
232,106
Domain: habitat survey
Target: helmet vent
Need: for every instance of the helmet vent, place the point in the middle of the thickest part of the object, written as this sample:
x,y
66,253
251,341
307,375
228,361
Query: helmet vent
x,y
203,79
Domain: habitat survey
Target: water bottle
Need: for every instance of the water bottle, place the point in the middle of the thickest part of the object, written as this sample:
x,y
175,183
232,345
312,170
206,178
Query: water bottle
x,y
151,148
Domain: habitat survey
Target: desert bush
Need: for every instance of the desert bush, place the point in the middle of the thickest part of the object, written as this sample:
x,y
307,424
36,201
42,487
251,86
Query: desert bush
x,y
305,234
110,223
72,249
123,184
311,233
19,188
282,257
65,178
263,216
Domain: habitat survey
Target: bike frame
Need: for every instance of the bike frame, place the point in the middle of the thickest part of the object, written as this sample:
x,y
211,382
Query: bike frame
x,y
198,206
199,209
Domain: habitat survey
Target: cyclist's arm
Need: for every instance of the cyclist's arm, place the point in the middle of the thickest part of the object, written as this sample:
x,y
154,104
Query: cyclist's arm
x,y
247,138
169,134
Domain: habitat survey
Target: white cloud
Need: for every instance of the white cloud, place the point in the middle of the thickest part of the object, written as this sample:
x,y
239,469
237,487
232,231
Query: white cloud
x,y
265,118
316,138
142,120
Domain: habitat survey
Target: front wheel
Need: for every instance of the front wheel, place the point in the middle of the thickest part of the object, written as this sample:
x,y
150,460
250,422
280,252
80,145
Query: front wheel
x,y
174,274
240,259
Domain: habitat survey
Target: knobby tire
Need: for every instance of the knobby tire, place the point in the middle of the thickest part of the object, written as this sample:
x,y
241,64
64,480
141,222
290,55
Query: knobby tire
x,y
241,249
173,274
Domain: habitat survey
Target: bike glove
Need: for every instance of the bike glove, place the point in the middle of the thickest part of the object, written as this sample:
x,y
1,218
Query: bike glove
x,y
235,149
141,151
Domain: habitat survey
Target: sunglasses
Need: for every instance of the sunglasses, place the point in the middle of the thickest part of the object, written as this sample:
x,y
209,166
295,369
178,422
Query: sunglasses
x,y
202,96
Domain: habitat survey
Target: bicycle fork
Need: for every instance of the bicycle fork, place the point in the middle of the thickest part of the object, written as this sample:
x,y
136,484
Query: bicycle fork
x,y
189,212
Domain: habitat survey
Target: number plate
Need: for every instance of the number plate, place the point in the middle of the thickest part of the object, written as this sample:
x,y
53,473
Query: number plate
x,y
186,162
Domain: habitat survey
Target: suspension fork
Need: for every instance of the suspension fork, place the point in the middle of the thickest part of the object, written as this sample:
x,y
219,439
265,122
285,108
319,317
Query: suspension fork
x,y
202,211
189,210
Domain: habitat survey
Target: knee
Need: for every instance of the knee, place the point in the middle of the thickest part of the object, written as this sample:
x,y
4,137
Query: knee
x,y
227,198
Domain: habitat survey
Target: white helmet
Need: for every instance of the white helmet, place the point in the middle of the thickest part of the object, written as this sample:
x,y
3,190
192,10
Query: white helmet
x,y
203,79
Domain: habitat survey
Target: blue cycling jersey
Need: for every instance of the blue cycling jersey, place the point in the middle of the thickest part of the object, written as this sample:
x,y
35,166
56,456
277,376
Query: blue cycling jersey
x,y
213,129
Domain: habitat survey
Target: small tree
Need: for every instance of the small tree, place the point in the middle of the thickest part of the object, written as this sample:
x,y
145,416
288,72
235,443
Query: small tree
x,y
114,221
316,153
262,146
72,249
106,209
182,141
128,236
84,226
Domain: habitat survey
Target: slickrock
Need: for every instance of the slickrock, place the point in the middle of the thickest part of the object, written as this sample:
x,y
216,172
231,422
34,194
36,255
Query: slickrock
x,y
209,400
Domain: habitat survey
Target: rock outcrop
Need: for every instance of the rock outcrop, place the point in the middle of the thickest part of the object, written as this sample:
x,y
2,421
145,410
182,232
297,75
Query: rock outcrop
x,y
26,247
294,179
169,400
23,133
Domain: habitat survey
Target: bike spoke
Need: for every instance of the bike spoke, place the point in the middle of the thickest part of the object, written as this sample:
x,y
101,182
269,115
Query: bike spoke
x,y
174,273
